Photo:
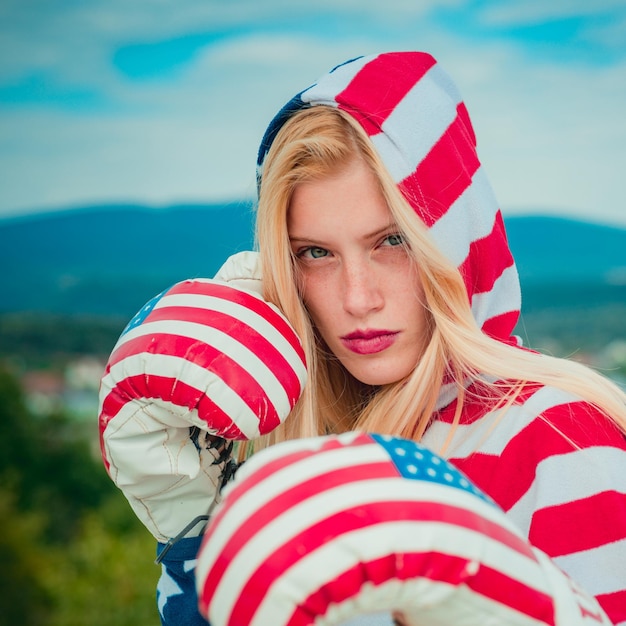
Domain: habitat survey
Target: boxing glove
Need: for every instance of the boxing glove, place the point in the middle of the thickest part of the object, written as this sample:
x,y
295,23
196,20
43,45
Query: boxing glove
x,y
361,529
205,362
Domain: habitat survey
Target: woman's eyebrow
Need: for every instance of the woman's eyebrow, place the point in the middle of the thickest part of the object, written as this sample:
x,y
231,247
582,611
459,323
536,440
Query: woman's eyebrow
x,y
305,240
380,231
375,233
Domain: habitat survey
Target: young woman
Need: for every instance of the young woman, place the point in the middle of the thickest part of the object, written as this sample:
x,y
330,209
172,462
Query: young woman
x,y
381,241
381,244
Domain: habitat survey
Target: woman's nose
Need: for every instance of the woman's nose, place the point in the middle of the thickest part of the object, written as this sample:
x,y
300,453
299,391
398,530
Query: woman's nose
x,y
361,289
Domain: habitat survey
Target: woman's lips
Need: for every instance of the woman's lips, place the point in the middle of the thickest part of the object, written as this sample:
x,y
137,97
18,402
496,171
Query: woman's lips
x,y
369,341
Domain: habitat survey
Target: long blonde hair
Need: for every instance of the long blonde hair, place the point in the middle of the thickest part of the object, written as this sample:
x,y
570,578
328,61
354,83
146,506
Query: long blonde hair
x,y
312,144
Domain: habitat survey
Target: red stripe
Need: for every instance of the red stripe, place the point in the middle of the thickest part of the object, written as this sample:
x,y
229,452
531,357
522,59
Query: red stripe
x,y
244,298
487,259
582,524
501,326
236,490
240,487
172,389
444,173
244,334
614,605
435,566
364,94
373,513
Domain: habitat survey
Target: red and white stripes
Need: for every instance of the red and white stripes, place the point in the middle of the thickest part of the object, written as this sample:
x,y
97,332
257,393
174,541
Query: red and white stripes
x,y
556,466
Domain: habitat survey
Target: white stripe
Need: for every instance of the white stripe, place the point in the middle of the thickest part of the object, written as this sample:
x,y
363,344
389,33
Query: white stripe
x,y
483,436
330,85
301,516
447,393
472,216
339,614
199,378
262,372
599,570
344,552
565,478
417,123
503,297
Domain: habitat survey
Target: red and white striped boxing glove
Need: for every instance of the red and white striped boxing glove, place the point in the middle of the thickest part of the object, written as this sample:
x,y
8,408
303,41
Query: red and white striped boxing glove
x,y
207,357
363,529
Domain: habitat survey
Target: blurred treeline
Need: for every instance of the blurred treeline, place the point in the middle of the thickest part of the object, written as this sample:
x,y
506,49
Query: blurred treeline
x,y
33,340
73,554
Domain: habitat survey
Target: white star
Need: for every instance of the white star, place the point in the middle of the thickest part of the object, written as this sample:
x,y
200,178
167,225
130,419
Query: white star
x,y
189,565
166,588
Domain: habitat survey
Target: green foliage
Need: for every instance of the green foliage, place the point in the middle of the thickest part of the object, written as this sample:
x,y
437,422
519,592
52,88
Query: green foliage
x,y
25,598
49,340
73,552
49,466
16,428
104,578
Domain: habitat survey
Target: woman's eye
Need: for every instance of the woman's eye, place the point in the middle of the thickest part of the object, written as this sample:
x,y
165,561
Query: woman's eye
x,y
394,240
313,253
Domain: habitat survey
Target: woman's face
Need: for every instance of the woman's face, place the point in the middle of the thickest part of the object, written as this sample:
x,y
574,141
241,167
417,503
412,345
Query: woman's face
x,y
359,283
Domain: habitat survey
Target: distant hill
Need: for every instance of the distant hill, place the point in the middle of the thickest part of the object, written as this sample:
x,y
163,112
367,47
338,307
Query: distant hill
x,y
109,260
550,249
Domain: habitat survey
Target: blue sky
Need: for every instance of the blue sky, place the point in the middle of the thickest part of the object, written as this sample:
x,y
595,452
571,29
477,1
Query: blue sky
x,y
160,102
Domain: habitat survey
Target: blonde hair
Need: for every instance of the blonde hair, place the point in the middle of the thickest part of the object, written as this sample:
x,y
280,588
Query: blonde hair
x,y
312,144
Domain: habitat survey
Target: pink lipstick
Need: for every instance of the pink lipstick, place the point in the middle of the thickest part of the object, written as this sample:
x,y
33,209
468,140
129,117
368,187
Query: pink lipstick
x,y
369,341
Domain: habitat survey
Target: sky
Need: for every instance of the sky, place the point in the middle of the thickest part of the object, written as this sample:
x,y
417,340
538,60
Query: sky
x,y
162,102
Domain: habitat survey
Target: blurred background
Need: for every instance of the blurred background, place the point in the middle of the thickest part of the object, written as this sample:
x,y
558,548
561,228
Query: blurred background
x,y
128,138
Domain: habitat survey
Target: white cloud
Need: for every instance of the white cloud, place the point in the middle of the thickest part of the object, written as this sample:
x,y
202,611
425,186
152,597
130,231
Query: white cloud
x,y
550,136
537,11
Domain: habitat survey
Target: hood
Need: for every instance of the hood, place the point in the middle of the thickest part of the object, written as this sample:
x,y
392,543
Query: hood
x,y
414,115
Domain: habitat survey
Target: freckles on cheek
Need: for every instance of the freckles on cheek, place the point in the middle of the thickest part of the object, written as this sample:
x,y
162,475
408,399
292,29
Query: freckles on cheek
x,y
316,293
301,286
311,300
306,288
300,281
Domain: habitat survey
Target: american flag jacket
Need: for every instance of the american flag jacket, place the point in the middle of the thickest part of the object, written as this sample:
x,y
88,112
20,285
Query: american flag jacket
x,y
553,463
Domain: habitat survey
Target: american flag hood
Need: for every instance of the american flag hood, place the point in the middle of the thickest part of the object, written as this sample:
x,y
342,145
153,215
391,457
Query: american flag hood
x,y
414,115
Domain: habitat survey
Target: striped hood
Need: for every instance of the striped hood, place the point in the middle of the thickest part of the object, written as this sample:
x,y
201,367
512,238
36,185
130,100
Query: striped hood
x,y
414,115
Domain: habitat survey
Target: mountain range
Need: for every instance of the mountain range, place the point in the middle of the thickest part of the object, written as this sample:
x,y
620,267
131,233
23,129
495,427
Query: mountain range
x,y
109,260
